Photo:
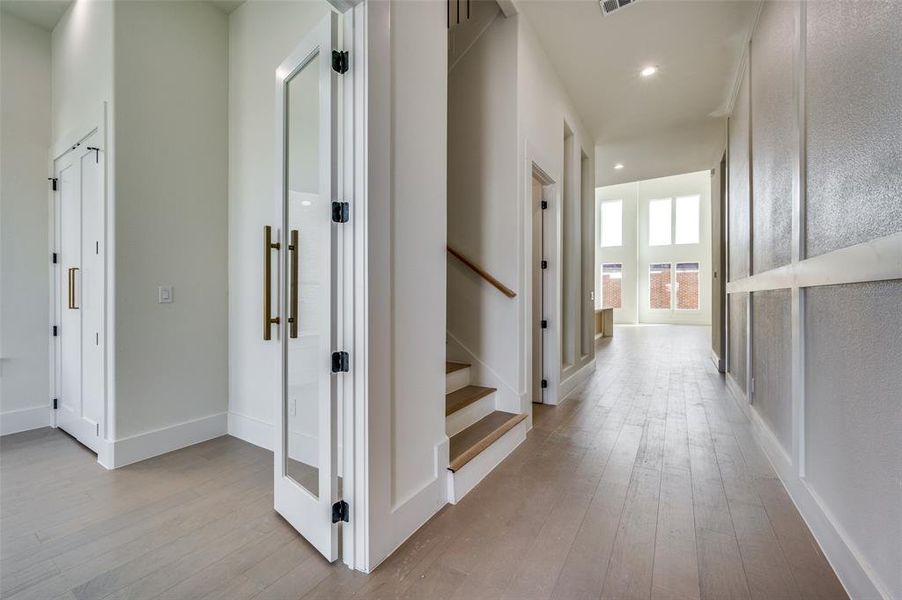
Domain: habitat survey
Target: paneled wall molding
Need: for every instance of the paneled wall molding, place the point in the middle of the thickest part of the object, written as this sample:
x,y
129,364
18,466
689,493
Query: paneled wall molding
x,y
876,260
816,482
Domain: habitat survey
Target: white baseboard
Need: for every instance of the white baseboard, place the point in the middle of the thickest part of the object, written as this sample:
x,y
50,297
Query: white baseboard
x,y
160,441
571,383
251,430
718,362
855,575
14,421
411,512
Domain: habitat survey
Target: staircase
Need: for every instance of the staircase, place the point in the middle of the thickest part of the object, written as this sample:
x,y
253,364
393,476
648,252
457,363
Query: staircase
x,y
481,437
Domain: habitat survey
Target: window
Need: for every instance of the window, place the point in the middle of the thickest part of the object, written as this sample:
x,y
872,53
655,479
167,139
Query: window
x,y
611,223
659,222
687,286
611,285
687,220
659,286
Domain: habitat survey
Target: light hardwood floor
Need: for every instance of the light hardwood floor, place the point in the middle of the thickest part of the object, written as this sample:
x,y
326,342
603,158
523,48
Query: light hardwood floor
x,y
646,484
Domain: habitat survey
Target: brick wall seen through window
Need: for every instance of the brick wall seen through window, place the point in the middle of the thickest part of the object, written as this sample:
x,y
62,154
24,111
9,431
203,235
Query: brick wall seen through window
x,y
659,286
611,285
687,286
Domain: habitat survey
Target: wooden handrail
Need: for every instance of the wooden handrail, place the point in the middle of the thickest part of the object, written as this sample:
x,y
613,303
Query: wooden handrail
x,y
482,273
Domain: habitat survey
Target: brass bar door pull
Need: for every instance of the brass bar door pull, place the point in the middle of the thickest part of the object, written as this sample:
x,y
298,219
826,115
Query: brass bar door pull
x,y
293,248
268,247
73,305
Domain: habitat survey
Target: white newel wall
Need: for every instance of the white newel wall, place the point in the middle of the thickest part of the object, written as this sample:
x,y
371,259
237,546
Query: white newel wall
x,y
405,274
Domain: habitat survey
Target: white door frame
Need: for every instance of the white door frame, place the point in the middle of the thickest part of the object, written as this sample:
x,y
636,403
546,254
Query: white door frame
x,y
94,127
536,163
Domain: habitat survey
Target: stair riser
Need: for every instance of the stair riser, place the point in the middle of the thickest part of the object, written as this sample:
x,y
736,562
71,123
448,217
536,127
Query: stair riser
x,y
464,480
457,380
470,414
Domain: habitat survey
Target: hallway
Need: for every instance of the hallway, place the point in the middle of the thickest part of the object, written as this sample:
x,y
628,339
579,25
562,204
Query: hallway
x,y
647,483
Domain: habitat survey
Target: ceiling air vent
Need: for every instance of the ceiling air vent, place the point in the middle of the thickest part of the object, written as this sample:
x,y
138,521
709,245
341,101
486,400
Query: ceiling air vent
x,y
609,6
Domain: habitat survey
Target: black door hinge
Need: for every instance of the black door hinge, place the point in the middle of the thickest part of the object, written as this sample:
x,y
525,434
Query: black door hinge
x,y
341,512
341,212
53,258
55,331
340,61
544,204
544,383
52,181
341,362
544,264
544,324
55,402
96,152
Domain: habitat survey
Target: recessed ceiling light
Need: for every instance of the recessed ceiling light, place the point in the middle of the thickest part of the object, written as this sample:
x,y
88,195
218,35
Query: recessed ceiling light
x,y
648,71
618,166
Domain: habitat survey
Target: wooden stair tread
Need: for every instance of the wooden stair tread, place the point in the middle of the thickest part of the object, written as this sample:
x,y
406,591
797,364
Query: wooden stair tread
x,y
450,367
464,397
467,444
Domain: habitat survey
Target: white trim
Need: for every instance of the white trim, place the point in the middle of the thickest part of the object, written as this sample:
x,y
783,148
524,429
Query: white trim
x,y
572,382
411,513
858,579
25,419
875,260
251,430
508,7
718,361
146,445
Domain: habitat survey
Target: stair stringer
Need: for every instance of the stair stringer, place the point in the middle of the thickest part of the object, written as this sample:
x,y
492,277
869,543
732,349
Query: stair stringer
x,y
507,398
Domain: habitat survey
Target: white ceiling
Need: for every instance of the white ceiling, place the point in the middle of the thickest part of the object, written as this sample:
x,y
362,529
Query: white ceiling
x,y
47,13
669,123
43,13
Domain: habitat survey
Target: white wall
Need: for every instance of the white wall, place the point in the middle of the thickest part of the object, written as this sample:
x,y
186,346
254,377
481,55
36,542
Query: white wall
x,y
507,107
82,64
544,109
24,200
261,35
627,254
171,90
636,254
405,269
483,205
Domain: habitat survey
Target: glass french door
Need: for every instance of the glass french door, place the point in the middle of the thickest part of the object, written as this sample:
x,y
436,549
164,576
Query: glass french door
x,y
306,483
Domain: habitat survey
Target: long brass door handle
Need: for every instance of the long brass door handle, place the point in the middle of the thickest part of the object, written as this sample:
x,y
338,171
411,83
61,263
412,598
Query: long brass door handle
x,y
294,249
72,300
268,247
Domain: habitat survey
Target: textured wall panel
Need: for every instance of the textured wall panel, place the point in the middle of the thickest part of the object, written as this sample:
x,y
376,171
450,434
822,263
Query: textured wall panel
x,y
774,137
772,362
853,416
738,345
739,184
854,122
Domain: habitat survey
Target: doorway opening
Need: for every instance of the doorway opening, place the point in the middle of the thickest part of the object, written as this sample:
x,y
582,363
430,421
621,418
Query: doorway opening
x,y
542,190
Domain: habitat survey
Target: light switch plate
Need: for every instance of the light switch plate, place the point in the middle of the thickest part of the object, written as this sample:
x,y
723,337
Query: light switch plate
x,y
164,294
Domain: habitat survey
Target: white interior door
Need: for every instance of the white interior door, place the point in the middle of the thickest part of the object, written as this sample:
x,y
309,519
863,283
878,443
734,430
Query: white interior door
x,y
306,457
80,289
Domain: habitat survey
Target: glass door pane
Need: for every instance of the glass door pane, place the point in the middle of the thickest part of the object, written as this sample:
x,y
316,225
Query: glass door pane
x,y
309,256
